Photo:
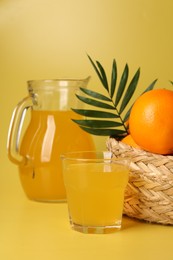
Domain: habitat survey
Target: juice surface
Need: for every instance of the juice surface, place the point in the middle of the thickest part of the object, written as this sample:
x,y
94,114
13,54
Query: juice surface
x,y
50,133
95,194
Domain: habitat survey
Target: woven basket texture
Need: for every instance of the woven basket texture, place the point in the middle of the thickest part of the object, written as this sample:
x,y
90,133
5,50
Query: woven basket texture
x,y
149,193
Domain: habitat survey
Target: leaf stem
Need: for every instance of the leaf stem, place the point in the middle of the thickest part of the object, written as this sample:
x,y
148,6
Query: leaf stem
x,y
120,118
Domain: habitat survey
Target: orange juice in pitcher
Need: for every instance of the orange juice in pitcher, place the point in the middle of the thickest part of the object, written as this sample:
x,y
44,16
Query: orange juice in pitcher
x,y
50,132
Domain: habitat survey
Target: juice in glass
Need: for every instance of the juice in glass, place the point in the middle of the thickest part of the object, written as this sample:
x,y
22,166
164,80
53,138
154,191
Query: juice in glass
x,y
95,195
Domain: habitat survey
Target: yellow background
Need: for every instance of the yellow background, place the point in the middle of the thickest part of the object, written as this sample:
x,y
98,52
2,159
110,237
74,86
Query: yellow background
x,y
49,39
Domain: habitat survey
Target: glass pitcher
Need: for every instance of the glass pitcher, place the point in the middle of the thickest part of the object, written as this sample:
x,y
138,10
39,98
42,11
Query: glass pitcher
x,y
36,148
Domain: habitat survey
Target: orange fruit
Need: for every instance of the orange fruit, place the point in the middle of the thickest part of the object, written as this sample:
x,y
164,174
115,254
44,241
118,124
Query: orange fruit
x,y
129,140
151,121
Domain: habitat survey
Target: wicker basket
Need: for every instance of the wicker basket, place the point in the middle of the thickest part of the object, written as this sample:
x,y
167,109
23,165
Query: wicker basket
x,y
149,193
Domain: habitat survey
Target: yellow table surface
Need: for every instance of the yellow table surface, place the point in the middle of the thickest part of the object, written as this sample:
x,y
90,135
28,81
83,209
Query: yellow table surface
x,y
33,230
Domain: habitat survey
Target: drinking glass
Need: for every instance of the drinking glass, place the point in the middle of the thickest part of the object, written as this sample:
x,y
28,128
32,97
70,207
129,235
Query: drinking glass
x,y
95,183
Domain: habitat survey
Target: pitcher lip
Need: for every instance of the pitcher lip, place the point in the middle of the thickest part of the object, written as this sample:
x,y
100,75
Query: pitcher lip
x,y
29,82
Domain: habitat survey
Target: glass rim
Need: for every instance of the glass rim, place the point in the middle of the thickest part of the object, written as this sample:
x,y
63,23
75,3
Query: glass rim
x,y
101,156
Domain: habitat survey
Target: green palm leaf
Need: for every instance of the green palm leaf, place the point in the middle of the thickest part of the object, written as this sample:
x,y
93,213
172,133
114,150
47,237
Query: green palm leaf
x,y
150,87
130,91
97,123
104,78
99,74
117,100
94,102
95,94
95,113
122,84
113,78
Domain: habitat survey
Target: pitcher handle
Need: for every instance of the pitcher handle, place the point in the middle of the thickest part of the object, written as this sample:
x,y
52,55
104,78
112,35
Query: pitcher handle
x,y
15,128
